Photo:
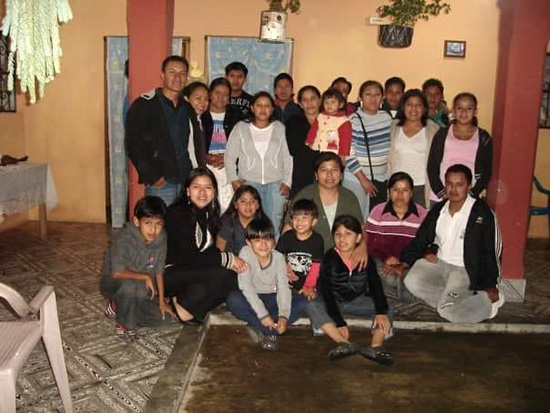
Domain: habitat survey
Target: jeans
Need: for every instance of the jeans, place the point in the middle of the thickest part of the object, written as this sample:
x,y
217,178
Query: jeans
x,y
168,193
446,288
239,306
272,202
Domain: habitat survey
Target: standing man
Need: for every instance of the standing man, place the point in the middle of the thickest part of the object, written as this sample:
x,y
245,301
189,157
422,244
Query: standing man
x,y
236,74
158,134
455,255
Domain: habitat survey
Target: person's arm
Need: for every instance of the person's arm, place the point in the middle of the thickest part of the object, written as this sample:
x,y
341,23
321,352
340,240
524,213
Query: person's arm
x,y
164,308
246,285
325,288
423,240
232,153
284,294
221,243
287,161
483,165
344,135
434,163
492,250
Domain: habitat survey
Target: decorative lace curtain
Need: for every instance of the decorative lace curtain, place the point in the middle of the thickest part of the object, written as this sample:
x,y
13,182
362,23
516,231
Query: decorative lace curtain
x,y
263,60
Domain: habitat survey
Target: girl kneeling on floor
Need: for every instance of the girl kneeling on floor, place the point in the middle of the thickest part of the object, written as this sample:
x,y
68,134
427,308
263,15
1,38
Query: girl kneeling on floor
x,y
345,290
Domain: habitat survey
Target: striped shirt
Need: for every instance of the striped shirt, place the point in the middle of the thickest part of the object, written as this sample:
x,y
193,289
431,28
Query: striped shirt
x,y
387,234
378,136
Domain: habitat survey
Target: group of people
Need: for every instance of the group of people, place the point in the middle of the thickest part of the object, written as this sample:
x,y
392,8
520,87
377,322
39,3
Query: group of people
x,y
319,208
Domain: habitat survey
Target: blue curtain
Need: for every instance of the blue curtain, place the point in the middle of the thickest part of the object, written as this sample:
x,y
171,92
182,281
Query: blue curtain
x,y
117,107
263,60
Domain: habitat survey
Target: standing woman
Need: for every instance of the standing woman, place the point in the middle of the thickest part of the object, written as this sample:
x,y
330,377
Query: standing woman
x,y
411,138
218,122
367,165
198,276
297,128
264,160
195,95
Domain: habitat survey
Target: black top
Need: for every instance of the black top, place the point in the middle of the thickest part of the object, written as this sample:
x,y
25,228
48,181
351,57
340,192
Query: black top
x,y
336,284
232,231
301,254
232,116
242,103
304,158
290,110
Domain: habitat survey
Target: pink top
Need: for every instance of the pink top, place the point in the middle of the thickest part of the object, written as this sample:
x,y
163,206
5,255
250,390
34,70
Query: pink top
x,y
458,151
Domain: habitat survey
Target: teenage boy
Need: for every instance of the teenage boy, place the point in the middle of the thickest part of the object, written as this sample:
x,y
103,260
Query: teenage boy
x,y
133,270
438,111
285,107
394,88
236,73
265,300
303,247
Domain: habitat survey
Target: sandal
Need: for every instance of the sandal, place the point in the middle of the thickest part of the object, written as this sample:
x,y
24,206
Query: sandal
x,y
343,350
377,354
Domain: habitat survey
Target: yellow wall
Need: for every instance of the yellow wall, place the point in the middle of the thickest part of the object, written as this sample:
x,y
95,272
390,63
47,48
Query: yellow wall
x,y
67,127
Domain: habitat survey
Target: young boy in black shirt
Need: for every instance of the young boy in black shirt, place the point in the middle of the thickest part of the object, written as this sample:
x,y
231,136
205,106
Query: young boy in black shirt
x,y
303,248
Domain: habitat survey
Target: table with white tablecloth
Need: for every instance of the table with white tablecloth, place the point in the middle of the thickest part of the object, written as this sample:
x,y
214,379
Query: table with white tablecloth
x,y
27,185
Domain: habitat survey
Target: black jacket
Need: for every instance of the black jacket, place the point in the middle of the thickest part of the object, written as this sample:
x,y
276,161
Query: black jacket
x,y
148,142
483,162
336,285
232,116
482,244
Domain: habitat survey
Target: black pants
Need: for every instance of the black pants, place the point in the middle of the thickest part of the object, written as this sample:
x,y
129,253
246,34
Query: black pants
x,y
199,290
381,196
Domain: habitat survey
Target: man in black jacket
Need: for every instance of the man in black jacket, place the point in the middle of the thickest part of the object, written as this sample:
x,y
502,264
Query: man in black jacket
x,y
158,134
455,256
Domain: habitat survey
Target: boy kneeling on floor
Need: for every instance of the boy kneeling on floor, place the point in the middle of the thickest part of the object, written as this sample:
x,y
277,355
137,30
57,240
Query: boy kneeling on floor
x,y
133,270
265,300
346,290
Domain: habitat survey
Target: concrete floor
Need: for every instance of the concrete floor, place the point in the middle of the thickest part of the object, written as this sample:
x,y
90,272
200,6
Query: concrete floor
x,y
443,372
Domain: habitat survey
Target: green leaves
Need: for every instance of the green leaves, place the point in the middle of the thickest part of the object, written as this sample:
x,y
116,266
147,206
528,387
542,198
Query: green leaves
x,y
292,6
408,12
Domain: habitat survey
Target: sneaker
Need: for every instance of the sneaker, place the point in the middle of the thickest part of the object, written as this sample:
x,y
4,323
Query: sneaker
x,y
270,343
255,335
110,309
377,354
123,331
317,332
497,304
343,350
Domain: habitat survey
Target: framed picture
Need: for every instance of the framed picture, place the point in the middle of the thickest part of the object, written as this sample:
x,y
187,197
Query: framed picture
x,y
455,48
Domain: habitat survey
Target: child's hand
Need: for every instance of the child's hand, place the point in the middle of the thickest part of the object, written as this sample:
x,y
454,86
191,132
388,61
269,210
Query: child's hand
x,y
166,309
430,257
239,265
150,285
309,293
284,190
344,331
237,183
391,261
359,257
382,322
282,325
268,322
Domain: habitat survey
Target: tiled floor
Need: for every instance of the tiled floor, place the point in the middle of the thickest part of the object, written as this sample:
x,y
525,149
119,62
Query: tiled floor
x,y
108,374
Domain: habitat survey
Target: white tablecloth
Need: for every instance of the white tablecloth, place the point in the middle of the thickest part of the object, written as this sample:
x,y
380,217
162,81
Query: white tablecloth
x,y
24,186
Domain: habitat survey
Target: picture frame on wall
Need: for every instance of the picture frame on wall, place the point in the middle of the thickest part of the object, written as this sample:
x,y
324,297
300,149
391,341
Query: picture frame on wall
x,y
455,49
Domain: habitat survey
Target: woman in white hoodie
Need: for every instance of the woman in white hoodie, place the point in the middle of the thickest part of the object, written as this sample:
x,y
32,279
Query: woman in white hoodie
x,y
264,162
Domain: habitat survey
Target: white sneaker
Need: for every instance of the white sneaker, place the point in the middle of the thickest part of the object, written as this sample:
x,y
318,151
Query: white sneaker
x,y
497,304
317,332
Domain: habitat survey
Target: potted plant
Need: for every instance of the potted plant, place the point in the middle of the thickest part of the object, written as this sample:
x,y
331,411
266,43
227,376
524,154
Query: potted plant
x,y
404,14
273,22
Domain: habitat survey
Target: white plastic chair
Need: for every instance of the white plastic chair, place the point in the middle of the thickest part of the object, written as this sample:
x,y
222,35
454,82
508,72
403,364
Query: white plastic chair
x,y
18,339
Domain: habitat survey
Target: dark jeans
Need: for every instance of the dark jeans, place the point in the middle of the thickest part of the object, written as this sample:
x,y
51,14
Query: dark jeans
x,y
199,290
239,306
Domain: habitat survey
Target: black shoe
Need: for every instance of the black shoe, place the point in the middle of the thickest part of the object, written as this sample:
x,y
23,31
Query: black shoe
x,y
378,355
343,350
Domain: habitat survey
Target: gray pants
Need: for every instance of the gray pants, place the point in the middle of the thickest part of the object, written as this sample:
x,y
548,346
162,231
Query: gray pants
x,y
446,288
393,282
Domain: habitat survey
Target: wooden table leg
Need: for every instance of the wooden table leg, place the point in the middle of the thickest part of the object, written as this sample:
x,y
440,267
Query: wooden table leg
x,y
43,221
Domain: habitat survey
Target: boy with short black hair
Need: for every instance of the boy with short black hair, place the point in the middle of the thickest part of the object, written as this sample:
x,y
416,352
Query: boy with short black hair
x,y
438,111
133,269
285,107
236,73
264,301
303,247
394,88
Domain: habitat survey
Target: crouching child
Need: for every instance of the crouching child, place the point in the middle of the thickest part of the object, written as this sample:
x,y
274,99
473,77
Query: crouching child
x,y
265,300
133,269
346,290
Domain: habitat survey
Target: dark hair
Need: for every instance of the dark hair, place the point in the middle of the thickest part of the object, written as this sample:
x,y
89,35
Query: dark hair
x,y
150,207
213,209
460,169
431,83
412,93
191,87
220,81
348,222
304,89
231,210
260,228
304,206
174,58
261,94
394,81
467,95
370,83
327,157
400,176
282,76
333,93
342,79
236,66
